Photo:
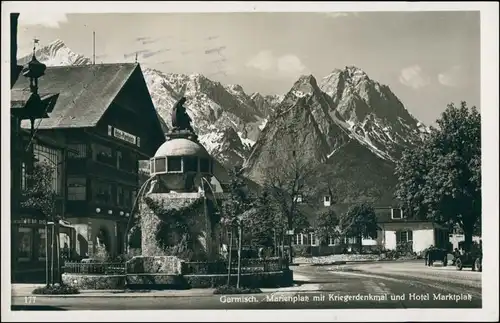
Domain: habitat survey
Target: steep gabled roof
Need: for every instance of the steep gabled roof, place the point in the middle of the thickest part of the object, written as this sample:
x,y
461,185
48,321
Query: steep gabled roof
x,y
85,92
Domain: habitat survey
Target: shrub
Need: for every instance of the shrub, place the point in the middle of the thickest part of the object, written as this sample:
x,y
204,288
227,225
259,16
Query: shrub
x,y
101,254
58,289
405,248
302,251
225,289
376,250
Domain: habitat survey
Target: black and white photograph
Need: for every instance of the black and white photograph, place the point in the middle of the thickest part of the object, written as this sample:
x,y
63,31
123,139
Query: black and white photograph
x,y
235,161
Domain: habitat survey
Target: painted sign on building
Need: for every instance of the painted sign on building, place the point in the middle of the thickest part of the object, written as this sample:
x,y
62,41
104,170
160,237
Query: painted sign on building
x,y
29,221
123,135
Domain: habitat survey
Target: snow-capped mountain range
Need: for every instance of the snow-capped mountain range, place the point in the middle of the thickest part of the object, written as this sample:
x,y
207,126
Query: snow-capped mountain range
x,y
345,111
57,54
226,119
353,128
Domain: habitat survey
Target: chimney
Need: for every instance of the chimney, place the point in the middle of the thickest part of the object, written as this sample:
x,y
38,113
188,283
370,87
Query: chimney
x,y
14,70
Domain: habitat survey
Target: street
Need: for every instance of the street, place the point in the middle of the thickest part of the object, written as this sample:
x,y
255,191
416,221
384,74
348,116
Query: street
x,y
372,285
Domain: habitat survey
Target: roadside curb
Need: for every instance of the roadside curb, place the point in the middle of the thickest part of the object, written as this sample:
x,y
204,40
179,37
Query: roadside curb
x,y
117,295
153,294
339,262
92,293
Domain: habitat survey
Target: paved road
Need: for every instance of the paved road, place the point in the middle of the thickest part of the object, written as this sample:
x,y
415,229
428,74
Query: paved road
x,y
405,285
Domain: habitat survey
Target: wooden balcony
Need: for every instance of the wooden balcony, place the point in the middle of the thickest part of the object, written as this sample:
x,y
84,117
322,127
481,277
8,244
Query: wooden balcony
x,y
101,170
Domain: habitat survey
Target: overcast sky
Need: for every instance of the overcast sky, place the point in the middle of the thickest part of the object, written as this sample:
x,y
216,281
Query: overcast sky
x,y
429,59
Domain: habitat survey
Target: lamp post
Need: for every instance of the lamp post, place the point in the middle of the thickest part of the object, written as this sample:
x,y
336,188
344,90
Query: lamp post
x,y
33,108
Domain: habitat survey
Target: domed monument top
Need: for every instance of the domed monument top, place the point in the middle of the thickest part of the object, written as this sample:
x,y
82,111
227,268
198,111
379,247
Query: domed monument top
x,y
181,147
181,154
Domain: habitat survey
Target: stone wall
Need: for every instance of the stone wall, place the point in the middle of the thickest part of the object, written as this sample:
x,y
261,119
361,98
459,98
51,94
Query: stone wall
x,y
86,281
263,280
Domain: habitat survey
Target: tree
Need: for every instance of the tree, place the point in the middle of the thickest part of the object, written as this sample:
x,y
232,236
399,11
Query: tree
x,y
327,225
39,197
262,224
289,181
359,221
238,201
441,179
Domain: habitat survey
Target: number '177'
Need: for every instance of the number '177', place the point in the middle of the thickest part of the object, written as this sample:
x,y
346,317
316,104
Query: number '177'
x,y
29,299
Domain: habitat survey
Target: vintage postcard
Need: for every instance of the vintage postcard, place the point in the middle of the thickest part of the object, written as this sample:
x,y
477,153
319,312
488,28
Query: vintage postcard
x,y
236,161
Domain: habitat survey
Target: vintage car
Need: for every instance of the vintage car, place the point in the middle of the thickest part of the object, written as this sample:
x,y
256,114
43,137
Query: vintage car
x,y
433,254
471,259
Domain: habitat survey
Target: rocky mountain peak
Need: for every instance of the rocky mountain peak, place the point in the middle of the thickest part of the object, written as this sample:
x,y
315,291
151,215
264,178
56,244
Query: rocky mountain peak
x,y
305,87
57,54
306,81
236,88
256,96
58,43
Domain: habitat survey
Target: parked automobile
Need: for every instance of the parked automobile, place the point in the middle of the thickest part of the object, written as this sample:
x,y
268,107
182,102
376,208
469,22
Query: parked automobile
x,y
470,259
433,254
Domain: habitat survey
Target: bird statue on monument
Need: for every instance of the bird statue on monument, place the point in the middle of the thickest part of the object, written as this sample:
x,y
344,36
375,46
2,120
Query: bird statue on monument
x,y
180,118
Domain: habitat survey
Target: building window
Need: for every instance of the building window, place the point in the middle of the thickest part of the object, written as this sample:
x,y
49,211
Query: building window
x,y
120,196
160,165
124,197
326,200
25,249
127,198
306,240
374,237
53,158
128,162
204,165
76,151
118,159
174,164
103,154
351,240
396,213
190,164
77,188
313,239
298,239
42,244
103,192
404,236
